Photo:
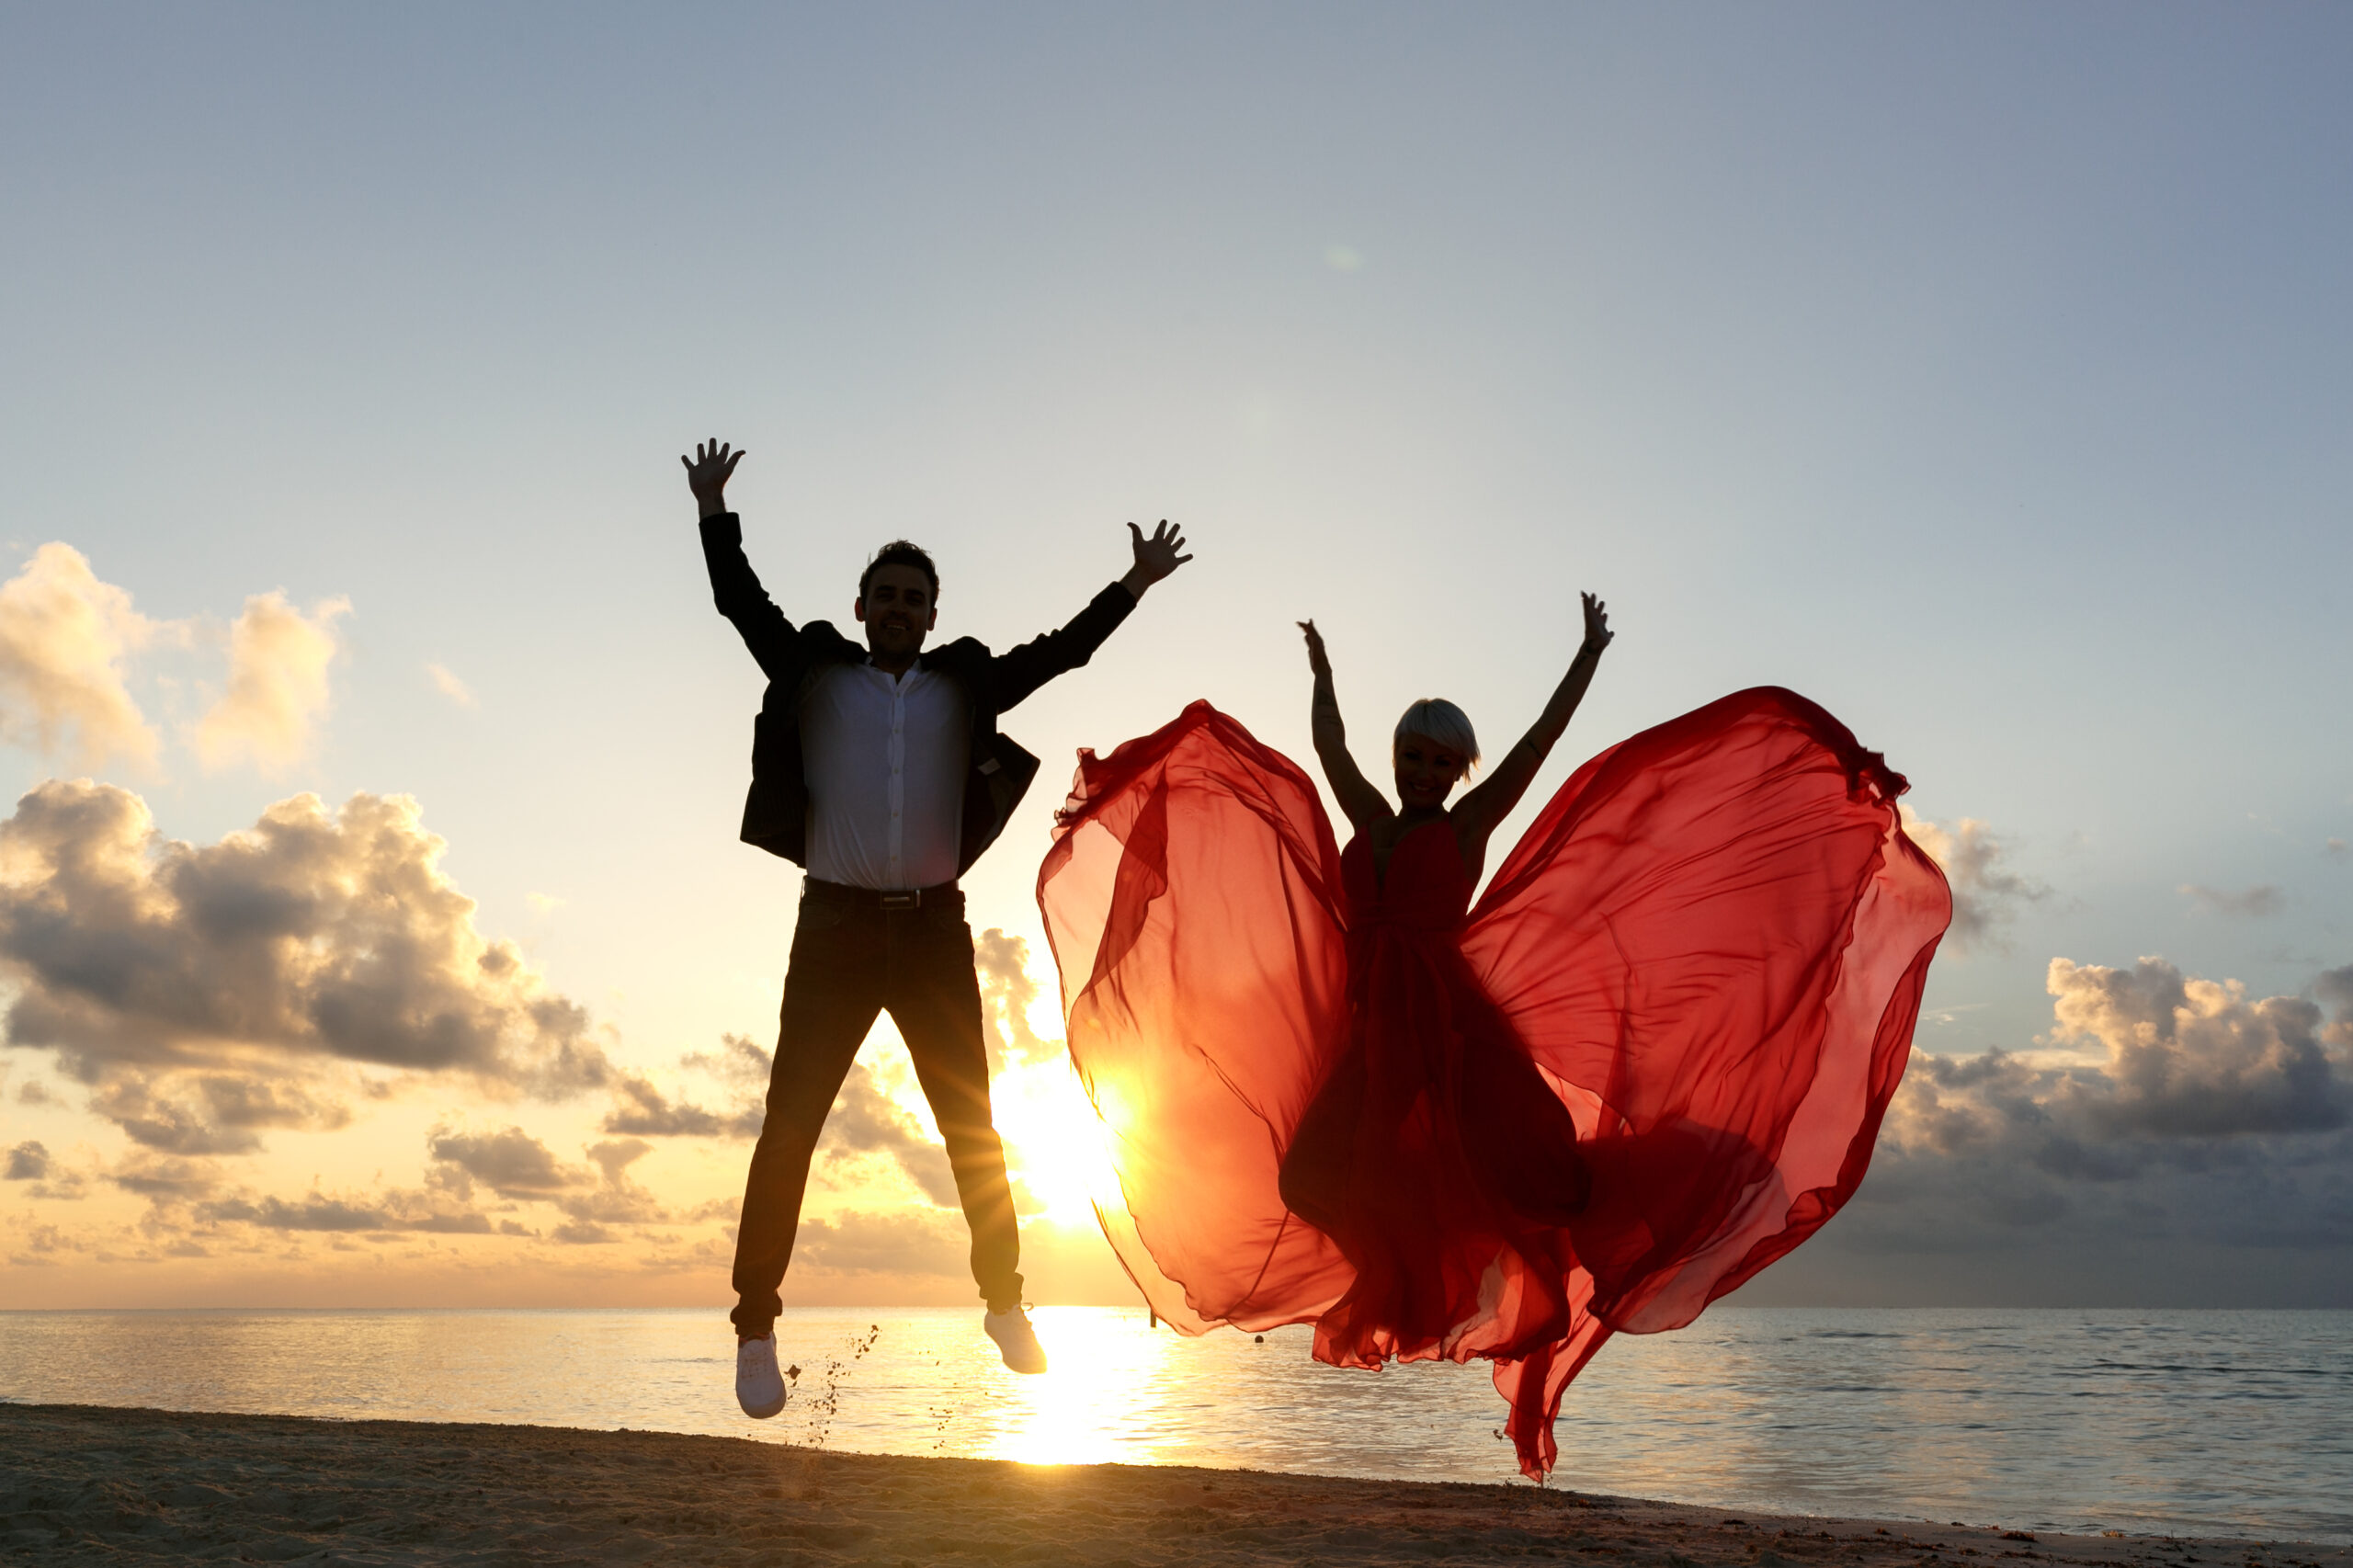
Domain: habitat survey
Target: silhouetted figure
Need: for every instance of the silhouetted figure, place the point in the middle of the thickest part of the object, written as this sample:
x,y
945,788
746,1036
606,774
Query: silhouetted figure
x,y
1647,1061
881,771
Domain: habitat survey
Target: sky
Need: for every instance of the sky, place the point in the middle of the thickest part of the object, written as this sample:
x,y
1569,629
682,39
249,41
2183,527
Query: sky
x,y
373,929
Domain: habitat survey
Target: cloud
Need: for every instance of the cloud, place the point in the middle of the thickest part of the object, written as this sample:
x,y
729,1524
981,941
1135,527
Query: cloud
x,y
615,1156
2196,1058
311,939
449,686
44,1175
211,1113
905,1241
2338,846
2162,1111
595,1196
455,1225
63,635
515,1165
2184,1063
512,1164
2255,903
582,1232
32,1091
543,903
643,1111
66,638
617,1200
741,1066
1008,989
312,1214
1986,894
278,685
166,1180
741,1060
42,1243
317,1212
865,1121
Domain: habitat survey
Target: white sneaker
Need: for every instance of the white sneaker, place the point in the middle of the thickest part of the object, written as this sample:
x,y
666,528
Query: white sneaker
x,y
759,1385
1015,1340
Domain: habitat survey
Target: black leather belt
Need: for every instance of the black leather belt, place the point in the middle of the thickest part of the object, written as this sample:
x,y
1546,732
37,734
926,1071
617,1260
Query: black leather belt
x,y
879,898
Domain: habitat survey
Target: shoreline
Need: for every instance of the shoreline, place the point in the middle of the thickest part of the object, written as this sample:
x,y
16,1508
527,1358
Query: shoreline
x,y
104,1483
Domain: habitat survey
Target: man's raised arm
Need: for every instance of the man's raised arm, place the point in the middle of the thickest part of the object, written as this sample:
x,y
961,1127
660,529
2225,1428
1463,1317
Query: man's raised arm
x,y
734,586
1021,671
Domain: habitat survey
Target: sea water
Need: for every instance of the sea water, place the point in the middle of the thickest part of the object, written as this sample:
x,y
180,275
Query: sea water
x,y
2196,1423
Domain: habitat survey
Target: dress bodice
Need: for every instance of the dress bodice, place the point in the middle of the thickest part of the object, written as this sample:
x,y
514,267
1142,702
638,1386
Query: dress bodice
x,y
1424,885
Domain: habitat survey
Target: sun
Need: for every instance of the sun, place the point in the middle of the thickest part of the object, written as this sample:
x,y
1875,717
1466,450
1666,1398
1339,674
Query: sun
x,y
1053,1140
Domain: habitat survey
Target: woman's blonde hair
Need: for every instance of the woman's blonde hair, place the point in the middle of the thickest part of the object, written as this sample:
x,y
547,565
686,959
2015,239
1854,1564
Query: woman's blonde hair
x,y
1442,721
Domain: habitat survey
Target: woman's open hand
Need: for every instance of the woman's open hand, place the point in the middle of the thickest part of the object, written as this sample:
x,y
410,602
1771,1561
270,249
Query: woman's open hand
x,y
1597,623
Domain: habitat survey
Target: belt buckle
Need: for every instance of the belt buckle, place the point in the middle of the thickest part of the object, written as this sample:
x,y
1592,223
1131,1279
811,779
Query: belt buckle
x,y
911,899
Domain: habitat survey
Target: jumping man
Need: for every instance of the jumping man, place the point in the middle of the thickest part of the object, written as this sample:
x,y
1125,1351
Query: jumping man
x,y
879,770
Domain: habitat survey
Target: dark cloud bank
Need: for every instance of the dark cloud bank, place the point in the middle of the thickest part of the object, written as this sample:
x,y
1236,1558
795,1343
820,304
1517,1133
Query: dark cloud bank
x,y
205,994
476,1184
202,995
2175,1142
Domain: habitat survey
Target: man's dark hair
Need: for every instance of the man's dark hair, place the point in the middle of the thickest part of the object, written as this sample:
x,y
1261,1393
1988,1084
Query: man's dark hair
x,y
899,552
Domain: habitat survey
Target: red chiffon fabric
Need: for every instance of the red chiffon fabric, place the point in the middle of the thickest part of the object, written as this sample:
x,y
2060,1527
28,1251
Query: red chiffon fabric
x,y
1652,1060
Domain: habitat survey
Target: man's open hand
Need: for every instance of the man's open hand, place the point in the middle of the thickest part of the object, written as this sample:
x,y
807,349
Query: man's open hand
x,y
707,474
1156,557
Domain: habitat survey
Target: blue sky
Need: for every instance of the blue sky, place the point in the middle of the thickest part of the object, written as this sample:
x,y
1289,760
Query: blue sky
x,y
1981,373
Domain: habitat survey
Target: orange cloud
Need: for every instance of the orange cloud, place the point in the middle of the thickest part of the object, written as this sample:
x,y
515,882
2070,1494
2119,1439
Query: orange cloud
x,y
277,690
63,637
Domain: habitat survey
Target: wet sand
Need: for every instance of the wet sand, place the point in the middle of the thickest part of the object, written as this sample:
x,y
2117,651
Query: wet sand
x,y
84,1485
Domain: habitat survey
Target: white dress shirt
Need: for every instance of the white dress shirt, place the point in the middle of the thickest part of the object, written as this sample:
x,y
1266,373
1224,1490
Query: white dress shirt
x,y
885,761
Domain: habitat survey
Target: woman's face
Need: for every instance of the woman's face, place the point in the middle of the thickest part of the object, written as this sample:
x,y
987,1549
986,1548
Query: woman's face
x,y
1427,771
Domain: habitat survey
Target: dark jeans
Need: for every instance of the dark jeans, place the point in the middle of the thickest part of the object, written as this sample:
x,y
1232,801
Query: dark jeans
x,y
851,960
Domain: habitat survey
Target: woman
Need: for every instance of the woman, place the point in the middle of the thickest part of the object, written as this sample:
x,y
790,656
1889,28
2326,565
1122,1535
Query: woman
x,y
1649,1062
1434,1155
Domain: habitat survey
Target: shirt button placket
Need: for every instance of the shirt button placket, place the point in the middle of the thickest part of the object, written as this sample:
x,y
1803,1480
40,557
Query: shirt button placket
x,y
897,870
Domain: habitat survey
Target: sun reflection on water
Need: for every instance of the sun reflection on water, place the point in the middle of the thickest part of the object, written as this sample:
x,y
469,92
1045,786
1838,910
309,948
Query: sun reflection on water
x,y
1101,1402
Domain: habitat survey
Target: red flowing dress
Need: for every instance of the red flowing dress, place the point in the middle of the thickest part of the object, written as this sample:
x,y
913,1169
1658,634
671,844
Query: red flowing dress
x,y
1651,1060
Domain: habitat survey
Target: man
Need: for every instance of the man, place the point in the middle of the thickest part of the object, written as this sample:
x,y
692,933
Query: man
x,y
880,769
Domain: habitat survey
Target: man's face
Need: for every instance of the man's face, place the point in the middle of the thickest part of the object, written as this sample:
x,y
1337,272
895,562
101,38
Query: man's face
x,y
897,610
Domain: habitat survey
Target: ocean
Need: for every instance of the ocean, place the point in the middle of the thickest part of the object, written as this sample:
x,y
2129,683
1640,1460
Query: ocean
x,y
2187,1423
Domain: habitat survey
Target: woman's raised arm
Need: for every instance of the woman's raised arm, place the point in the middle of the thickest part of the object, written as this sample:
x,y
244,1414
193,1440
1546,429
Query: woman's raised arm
x,y
1479,811
1361,803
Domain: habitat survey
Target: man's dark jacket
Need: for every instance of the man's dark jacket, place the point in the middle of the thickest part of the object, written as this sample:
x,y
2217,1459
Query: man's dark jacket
x,y
775,812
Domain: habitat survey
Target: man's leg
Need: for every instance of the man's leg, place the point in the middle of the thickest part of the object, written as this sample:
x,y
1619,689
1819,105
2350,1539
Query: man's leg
x,y
936,1001
832,991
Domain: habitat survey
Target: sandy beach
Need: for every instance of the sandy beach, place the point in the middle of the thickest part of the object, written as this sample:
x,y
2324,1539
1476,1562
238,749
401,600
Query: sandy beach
x,y
86,1485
